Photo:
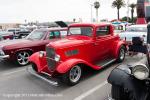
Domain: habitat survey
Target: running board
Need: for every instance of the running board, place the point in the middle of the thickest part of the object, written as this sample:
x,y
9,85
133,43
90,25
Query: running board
x,y
106,62
51,82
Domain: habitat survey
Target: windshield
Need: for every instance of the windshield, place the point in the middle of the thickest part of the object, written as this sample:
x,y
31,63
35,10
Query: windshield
x,y
86,31
36,35
136,29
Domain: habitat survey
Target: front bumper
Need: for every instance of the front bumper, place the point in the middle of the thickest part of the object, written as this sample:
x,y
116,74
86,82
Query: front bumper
x,y
4,57
43,75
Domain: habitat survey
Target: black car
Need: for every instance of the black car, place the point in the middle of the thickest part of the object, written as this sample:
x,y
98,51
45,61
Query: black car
x,y
132,81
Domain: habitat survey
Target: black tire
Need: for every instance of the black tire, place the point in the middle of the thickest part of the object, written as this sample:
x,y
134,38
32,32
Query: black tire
x,y
121,55
117,92
66,78
22,61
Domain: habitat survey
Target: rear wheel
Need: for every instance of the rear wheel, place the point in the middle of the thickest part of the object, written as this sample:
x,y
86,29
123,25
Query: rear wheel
x,y
22,58
73,76
121,55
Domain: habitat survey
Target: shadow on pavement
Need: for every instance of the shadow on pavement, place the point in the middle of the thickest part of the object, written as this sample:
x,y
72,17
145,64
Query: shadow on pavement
x,y
7,65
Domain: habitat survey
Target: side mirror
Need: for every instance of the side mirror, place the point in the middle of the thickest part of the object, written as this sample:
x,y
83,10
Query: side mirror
x,y
148,33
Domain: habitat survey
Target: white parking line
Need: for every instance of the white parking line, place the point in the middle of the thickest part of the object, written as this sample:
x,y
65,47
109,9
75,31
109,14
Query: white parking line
x,y
12,72
82,96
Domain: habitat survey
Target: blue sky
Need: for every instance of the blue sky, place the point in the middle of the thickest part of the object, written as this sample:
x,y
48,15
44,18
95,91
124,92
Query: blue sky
x,y
12,11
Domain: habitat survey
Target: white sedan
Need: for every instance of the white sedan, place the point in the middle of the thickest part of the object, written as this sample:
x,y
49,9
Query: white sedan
x,y
134,31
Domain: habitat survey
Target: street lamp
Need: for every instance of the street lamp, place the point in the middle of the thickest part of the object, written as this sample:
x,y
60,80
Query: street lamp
x,y
91,12
96,5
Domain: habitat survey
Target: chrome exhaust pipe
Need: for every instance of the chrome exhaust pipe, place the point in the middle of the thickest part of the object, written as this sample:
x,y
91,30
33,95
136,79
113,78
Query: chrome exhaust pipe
x,y
32,72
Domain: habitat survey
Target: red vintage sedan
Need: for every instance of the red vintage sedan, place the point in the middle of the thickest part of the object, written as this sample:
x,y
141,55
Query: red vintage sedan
x,y
20,49
87,45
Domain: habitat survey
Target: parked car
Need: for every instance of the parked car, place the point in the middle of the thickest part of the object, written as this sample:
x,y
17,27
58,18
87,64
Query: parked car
x,y
22,33
87,45
134,31
6,35
20,49
19,32
14,30
132,81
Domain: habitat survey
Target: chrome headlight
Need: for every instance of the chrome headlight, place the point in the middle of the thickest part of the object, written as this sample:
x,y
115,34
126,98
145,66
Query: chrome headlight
x,y
41,54
57,58
140,71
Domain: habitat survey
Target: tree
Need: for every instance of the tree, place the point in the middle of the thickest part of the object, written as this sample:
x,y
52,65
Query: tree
x,y
132,6
118,4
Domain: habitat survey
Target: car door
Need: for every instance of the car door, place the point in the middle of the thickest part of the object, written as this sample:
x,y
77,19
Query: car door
x,y
103,42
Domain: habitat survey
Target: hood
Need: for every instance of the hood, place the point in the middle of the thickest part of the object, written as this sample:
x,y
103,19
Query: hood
x,y
69,41
15,42
129,35
61,23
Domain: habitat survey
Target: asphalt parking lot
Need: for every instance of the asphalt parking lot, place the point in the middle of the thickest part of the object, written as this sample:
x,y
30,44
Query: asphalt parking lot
x,y
17,84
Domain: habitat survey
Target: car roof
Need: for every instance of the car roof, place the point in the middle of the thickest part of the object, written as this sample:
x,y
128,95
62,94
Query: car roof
x,y
13,28
90,24
51,29
140,25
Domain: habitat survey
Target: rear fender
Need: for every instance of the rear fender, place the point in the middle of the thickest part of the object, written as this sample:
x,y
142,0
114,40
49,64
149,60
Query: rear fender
x,y
122,78
67,65
116,47
40,62
118,77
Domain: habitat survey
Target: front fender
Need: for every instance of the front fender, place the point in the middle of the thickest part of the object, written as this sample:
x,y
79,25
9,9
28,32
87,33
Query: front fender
x,y
40,62
119,77
67,65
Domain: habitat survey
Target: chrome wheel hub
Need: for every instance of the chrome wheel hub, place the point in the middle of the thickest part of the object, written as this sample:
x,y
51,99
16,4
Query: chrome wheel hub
x,y
75,74
22,58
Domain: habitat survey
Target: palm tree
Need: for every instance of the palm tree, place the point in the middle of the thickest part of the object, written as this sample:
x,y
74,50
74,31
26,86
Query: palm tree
x,y
132,6
118,4
96,5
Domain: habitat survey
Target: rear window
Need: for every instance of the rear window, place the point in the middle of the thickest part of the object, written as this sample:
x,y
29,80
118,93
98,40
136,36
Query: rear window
x,y
103,30
86,31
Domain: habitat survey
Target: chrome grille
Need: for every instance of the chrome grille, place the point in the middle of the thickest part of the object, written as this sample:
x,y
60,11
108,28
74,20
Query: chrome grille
x,y
50,53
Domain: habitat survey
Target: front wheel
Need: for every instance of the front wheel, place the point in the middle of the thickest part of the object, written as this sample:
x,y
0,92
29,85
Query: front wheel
x,y
73,76
121,55
22,58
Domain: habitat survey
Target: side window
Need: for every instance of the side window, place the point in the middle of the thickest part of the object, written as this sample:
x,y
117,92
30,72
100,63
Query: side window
x,y
63,33
103,30
51,35
56,34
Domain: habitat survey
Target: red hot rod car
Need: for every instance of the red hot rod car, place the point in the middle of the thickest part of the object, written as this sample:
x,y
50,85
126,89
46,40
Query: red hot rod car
x,y
87,45
19,50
